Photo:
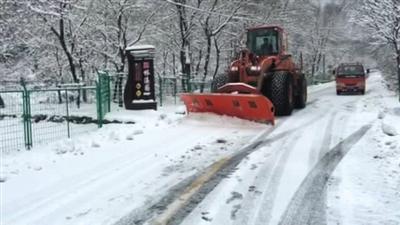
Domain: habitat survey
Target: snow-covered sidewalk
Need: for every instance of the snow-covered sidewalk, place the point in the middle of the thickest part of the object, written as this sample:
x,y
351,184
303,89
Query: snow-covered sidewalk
x,y
101,177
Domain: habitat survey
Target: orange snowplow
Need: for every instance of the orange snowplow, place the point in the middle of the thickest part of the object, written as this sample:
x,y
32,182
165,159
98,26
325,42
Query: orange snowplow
x,y
235,99
262,83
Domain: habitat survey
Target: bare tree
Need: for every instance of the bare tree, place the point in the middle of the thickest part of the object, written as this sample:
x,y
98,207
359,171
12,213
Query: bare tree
x,y
382,20
59,16
213,26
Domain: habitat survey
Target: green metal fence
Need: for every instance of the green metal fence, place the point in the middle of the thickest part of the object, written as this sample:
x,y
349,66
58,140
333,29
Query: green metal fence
x,y
33,116
169,88
12,120
103,95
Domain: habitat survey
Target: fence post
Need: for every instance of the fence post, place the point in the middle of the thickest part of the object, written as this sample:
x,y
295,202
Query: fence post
x,y
26,116
175,88
99,105
120,80
161,90
108,79
67,108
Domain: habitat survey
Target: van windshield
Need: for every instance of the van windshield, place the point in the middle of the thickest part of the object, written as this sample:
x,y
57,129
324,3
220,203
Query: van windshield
x,y
350,70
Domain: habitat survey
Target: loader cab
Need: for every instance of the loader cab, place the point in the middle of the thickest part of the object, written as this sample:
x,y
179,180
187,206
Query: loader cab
x,y
266,40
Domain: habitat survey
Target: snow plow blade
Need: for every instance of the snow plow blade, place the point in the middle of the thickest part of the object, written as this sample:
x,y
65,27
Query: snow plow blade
x,y
252,107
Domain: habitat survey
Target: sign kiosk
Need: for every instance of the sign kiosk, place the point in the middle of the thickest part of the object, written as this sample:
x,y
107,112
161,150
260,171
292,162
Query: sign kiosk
x,y
139,89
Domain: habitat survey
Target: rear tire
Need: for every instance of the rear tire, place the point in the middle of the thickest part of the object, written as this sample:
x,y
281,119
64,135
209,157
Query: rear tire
x,y
279,89
301,98
1,103
219,81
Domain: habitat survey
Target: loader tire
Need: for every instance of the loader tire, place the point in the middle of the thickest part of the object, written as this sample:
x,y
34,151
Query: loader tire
x,y
301,97
219,81
281,93
1,103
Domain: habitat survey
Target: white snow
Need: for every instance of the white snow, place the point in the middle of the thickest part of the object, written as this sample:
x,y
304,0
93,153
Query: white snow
x,y
140,47
365,188
269,177
100,177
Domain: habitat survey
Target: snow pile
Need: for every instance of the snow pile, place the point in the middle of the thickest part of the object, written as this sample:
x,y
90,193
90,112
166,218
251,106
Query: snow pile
x,y
389,126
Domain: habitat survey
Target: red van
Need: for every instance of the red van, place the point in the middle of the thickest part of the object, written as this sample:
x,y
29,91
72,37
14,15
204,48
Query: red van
x,y
350,78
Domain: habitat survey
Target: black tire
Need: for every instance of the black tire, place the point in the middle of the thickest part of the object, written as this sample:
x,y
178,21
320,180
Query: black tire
x,y
363,92
301,98
279,89
219,81
338,92
1,103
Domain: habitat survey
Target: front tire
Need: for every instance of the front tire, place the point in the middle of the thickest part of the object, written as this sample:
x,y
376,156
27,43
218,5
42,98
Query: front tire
x,y
280,92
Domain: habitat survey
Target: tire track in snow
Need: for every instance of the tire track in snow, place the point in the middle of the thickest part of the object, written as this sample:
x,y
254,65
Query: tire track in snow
x,y
190,202
304,208
185,187
182,211
267,180
319,147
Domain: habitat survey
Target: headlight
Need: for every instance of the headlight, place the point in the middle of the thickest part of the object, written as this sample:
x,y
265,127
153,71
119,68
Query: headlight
x,y
341,84
234,68
255,68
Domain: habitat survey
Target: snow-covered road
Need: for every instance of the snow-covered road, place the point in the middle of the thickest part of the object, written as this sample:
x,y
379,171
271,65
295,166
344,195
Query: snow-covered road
x,y
334,162
288,179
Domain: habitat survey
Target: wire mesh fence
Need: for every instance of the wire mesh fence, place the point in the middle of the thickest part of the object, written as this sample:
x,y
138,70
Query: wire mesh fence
x,y
59,113
169,88
11,120
30,117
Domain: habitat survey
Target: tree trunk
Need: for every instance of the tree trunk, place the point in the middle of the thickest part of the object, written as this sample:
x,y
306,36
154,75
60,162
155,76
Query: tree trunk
x,y
183,27
83,76
61,37
218,57
207,60
398,71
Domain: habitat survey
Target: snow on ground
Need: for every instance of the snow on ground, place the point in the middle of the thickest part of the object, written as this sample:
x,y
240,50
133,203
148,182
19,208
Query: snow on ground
x,y
124,169
265,184
365,188
100,177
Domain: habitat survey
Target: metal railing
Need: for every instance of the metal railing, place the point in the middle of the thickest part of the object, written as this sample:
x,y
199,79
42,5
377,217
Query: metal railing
x,y
169,88
33,116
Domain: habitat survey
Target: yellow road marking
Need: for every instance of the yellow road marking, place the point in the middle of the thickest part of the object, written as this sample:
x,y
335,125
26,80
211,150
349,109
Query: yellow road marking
x,y
194,187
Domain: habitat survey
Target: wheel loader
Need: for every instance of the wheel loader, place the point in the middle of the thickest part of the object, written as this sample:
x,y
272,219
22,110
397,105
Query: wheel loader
x,y
263,82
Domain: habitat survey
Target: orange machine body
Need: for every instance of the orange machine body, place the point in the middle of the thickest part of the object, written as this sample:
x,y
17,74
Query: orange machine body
x,y
244,96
